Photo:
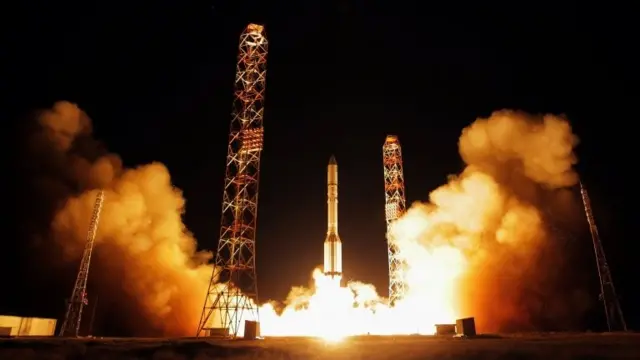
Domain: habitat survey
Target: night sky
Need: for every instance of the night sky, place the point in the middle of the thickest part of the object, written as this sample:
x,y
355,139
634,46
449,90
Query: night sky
x,y
158,84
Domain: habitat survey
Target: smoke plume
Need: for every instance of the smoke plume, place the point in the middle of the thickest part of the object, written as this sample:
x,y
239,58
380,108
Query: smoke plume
x,y
146,260
482,246
491,222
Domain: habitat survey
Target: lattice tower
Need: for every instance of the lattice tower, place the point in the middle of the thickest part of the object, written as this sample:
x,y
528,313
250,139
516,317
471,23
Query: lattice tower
x,y
395,206
78,299
608,296
233,292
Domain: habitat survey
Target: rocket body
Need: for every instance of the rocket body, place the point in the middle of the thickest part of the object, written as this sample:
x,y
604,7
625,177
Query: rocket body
x,y
332,243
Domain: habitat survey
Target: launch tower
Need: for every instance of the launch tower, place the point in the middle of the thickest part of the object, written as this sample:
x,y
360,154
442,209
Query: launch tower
x,y
395,206
78,299
233,293
612,309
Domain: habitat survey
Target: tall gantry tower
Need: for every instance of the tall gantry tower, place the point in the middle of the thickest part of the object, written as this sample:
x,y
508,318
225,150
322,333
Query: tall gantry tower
x,y
612,309
233,288
78,299
395,206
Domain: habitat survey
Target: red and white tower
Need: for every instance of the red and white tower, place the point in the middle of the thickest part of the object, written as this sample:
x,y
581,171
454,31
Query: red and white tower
x,y
77,302
395,206
233,291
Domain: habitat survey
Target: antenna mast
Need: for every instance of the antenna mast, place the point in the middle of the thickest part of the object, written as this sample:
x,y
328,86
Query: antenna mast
x,y
233,287
395,206
612,309
78,300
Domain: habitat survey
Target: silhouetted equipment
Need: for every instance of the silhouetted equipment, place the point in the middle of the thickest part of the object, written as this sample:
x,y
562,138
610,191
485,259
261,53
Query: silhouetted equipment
x,y
251,330
78,300
93,316
466,327
612,309
445,329
216,332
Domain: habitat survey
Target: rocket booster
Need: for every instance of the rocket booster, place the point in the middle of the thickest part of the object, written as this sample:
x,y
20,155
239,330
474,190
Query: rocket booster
x,y
332,244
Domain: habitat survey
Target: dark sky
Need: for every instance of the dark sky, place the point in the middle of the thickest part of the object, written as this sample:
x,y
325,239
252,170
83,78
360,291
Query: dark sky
x,y
158,83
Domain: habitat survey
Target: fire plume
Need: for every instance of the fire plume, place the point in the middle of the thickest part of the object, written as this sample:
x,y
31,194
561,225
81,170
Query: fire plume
x,y
476,248
473,250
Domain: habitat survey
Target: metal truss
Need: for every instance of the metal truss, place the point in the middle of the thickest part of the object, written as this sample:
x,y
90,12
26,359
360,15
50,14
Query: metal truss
x,y
233,292
612,309
78,300
395,206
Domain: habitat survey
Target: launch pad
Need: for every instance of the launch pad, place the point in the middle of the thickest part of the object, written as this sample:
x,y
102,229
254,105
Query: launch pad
x,y
232,294
530,346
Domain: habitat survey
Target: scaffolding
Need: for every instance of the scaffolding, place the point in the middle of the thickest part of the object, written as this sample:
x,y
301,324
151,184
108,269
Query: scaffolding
x,y
233,292
78,300
395,206
608,296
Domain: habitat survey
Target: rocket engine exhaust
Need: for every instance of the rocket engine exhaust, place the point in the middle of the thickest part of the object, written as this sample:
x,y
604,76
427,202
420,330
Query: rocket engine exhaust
x,y
332,243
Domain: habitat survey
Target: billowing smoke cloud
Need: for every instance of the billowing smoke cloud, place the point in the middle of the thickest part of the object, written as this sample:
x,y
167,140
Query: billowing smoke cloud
x,y
490,222
482,246
63,124
145,260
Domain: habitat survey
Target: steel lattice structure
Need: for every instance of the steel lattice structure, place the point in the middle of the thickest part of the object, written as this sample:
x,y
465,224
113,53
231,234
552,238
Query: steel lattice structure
x,y
233,291
612,309
78,299
395,206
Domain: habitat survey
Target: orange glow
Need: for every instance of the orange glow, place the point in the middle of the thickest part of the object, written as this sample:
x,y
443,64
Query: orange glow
x,y
469,250
459,246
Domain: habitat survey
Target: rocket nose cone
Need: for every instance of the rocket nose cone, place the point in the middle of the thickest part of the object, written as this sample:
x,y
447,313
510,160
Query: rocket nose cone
x,y
332,160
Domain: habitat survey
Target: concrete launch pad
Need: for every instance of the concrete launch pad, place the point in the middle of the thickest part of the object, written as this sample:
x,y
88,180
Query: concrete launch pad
x,y
526,346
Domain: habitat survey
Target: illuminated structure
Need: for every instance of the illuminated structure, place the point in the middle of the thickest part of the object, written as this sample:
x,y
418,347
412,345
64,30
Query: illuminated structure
x,y
612,309
77,301
233,289
395,206
332,244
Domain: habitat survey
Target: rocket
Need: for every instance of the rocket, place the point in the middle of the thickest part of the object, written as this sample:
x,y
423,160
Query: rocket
x,y
332,244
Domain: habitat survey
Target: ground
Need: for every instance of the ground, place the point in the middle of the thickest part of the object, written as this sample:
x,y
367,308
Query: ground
x,y
512,347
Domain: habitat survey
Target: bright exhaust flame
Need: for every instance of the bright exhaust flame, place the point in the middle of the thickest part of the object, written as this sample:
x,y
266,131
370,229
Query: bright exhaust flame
x,y
482,227
332,312
475,249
